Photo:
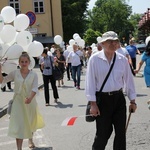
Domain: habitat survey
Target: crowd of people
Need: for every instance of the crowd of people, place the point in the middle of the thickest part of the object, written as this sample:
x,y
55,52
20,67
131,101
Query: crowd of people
x,y
97,63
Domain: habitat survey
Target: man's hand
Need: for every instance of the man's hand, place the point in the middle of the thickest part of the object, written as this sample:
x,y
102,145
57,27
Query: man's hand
x,y
94,111
132,106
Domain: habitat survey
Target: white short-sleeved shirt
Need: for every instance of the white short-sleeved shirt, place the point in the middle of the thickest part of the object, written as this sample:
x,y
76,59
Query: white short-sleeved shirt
x,y
75,57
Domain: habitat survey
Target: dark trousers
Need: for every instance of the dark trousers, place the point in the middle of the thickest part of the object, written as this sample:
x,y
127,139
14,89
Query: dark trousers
x,y
8,83
76,71
52,80
68,70
112,114
133,63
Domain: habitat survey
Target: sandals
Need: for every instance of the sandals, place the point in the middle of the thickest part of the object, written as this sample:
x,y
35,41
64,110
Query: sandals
x,y
31,144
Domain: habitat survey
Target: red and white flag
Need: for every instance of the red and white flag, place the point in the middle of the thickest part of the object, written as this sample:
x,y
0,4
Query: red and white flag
x,y
69,121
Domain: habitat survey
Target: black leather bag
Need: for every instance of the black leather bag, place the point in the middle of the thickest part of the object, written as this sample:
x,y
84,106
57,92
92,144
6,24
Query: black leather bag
x,y
57,73
88,116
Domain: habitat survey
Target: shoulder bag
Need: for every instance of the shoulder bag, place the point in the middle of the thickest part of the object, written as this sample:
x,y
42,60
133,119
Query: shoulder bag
x,y
57,74
88,116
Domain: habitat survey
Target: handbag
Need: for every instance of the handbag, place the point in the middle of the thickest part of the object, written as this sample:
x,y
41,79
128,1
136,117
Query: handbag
x,y
88,116
56,72
9,107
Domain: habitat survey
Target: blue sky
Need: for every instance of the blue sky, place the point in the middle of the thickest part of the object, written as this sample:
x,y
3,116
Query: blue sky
x,y
138,6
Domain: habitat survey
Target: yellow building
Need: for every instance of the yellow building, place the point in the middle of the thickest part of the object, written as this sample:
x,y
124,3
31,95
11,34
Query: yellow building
x,y
45,17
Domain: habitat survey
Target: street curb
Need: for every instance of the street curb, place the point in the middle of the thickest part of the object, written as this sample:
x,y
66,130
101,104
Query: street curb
x,y
3,111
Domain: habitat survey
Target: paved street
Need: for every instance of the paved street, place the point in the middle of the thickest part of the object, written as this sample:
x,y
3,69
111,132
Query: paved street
x,y
80,136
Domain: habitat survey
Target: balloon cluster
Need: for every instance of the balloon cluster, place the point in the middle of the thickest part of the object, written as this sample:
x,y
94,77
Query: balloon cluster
x,y
76,40
15,38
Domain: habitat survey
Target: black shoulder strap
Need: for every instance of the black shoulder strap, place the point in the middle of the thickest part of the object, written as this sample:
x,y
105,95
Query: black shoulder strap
x,y
108,73
51,62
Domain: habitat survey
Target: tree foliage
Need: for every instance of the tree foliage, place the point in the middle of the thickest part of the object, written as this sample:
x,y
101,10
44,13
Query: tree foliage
x,y
111,15
73,17
90,36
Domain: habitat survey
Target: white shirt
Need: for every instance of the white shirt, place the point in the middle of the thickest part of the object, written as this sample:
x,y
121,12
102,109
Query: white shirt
x,y
123,51
66,53
75,57
120,76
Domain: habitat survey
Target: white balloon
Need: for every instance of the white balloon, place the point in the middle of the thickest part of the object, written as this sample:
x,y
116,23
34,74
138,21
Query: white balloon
x,y
14,51
25,48
72,42
1,22
69,48
16,61
52,50
35,49
21,22
3,48
24,38
147,40
94,50
32,63
8,13
9,66
8,33
75,34
49,53
78,39
81,43
93,45
58,39
99,39
13,41
1,51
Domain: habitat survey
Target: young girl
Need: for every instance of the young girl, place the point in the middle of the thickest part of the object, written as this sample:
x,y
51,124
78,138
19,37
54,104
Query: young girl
x,y
25,117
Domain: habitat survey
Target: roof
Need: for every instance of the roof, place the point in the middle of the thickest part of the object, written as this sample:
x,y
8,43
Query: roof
x,y
44,40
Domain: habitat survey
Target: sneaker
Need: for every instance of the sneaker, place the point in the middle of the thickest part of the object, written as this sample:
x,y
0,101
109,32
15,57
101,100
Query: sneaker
x,y
78,87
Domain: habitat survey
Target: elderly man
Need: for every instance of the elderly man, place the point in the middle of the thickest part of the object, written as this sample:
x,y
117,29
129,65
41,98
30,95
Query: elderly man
x,y
109,106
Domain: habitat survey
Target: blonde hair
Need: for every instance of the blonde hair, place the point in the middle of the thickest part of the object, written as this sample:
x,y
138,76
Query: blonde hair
x,y
25,54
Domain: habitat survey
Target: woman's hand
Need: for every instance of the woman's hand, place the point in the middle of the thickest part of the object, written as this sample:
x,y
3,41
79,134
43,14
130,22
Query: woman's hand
x,y
27,100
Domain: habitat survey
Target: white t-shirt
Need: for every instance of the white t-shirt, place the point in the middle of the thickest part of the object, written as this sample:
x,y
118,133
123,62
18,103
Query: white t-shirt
x,y
74,57
123,51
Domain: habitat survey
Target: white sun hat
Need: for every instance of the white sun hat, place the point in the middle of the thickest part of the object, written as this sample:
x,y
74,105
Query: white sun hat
x,y
110,35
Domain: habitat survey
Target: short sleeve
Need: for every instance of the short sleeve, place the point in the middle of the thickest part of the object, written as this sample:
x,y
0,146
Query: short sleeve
x,y
143,57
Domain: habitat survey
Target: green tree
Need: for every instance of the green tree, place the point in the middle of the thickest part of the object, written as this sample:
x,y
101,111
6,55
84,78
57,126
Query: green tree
x,y
134,20
73,17
111,15
90,36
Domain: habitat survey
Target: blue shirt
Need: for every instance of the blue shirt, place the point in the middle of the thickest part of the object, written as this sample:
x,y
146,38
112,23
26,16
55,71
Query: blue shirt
x,y
47,65
132,50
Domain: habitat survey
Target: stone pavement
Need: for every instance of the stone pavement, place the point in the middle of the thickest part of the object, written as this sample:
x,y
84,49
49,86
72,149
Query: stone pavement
x,y
80,136
5,97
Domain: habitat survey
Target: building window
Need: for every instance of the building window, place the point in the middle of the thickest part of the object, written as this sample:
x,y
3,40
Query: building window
x,y
15,5
39,6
